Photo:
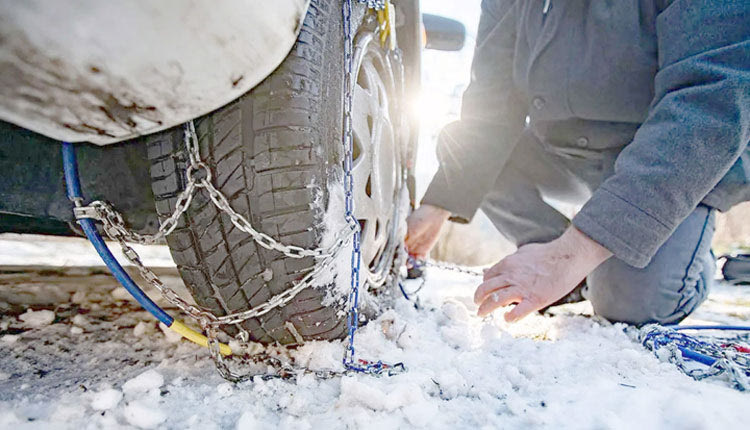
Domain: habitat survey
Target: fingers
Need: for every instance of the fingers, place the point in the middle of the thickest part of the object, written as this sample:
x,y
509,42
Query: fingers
x,y
410,243
489,286
498,292
416,247
520,310
500,298
413,241
494,270
504,297
422,234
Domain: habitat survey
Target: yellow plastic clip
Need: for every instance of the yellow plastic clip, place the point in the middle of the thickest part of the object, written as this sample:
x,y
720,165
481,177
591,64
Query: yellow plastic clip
x,y
386,24
196,337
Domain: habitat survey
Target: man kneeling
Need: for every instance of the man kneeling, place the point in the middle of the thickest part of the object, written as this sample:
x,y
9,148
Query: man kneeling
x,y
639,110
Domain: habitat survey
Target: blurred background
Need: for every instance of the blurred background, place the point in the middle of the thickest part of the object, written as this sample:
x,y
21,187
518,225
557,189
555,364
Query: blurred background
x,y
445,75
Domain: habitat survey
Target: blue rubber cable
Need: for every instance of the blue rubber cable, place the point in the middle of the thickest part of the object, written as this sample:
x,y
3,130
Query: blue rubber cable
x,y
697,356
710,327
73,187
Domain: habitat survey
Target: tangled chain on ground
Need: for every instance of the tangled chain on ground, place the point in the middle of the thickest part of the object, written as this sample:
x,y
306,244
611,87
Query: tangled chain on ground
x,y
676,347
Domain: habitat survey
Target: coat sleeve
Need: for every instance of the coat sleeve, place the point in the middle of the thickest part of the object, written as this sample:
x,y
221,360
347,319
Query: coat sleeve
x,y
697,127
472,151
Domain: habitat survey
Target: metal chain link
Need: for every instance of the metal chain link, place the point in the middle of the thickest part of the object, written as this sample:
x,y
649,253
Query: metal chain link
x,y
373,4
349,361
352,321
729,362
449,266
114,224
198,175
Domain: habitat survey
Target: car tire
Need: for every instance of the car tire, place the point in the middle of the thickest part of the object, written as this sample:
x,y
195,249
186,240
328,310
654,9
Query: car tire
x,y
276,154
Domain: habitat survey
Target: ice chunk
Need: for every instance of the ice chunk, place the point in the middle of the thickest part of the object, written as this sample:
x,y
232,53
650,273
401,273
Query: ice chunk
x,y
140,329
106,399
79,297
225,389
143,415
80,320
9,338
146,381
171,335
37,319
267,274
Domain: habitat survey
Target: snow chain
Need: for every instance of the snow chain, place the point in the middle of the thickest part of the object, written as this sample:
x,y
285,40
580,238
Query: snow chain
x,y
724,359
198,175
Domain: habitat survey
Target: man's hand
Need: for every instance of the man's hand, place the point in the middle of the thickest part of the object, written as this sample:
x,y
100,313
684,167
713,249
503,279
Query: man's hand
x,y
537,275
423,229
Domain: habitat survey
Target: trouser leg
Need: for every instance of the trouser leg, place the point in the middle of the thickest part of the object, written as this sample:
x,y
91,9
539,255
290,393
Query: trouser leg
x,y
516,206
519,213
669,288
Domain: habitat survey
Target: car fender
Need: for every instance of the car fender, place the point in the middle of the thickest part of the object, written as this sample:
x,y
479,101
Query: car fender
x,y
103,72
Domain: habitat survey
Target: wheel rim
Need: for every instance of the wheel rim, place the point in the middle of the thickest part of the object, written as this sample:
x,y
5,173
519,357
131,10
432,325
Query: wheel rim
x,y
377,160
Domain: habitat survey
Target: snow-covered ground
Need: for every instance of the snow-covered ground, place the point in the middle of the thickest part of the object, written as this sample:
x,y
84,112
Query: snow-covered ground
x,y
77,353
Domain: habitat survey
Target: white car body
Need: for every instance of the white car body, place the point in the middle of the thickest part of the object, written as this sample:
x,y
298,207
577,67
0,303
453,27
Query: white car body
x,y
106,71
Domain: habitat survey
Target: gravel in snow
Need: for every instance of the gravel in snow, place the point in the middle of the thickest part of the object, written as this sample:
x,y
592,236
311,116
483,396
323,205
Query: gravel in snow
x,y
561,371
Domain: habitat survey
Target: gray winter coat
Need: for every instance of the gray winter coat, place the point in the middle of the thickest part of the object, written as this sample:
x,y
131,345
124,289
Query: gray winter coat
x,y
668,81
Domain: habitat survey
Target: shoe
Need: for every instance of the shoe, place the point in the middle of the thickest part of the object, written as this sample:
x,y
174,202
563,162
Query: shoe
x,y
574,296
736,269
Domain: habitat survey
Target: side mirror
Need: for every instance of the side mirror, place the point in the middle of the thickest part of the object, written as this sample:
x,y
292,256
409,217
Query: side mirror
x,y
443,34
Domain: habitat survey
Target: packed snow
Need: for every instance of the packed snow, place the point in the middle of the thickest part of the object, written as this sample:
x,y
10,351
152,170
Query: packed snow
x,y
566,370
